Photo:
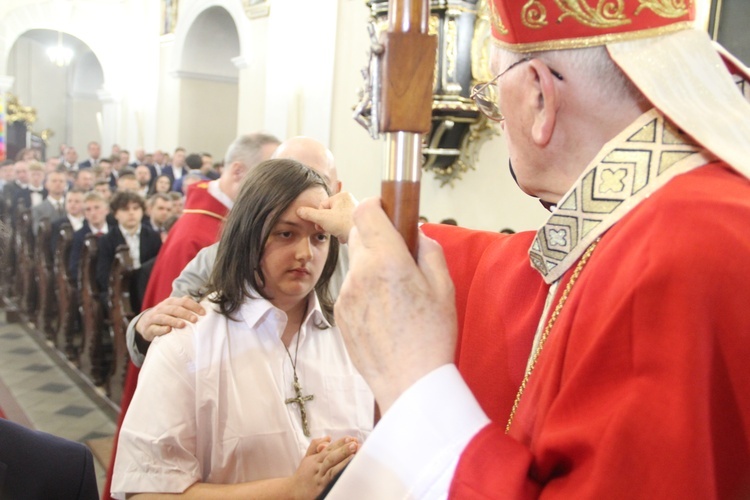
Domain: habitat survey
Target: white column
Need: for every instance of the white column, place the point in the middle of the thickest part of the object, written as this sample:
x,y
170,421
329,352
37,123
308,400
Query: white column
x,y
108,121
6,82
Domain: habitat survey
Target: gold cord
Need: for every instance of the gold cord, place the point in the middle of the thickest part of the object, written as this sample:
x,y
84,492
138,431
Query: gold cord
x,y
548,329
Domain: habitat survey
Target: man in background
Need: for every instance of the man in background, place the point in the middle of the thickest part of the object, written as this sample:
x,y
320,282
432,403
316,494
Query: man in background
x,y
53,206
94,150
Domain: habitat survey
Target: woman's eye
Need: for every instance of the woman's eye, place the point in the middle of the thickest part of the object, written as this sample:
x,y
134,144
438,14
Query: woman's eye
x,y
285,234
322,237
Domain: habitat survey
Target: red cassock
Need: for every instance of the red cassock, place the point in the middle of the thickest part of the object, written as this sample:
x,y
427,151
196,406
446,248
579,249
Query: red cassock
x,y
198,227
643,388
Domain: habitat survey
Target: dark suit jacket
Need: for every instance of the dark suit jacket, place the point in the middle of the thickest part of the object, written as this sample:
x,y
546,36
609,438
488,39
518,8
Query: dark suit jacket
x,y
76,248
84,164
25,195
13,192
55,232
169,172
35,465
150,245
154,172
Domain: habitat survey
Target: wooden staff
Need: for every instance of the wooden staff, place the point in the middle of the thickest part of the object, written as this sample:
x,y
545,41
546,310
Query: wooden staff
x,y
406,111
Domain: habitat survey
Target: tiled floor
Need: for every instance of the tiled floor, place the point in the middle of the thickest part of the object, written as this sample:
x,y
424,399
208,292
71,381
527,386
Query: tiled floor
x,y
39,388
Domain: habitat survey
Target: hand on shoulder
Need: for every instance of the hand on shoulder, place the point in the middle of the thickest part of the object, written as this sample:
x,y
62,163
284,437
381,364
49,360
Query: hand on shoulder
x,y
170,313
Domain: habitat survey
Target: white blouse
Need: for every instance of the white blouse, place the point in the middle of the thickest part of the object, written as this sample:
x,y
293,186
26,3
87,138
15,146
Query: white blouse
x,y
210,403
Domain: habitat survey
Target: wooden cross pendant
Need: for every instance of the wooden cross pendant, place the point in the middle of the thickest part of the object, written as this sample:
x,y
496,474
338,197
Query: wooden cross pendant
x,y
300,400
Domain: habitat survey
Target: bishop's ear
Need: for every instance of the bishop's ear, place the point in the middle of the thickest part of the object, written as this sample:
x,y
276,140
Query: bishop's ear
x,y
547,102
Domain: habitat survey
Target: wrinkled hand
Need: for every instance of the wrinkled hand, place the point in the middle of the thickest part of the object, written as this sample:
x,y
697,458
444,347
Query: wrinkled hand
x,y
398,317
170,313
334,215
323,460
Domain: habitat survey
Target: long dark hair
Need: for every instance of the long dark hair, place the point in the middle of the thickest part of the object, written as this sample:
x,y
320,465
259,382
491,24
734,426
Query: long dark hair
x,y
266,192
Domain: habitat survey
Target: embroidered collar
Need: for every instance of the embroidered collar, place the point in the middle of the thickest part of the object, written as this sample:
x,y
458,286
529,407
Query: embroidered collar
x,y
626,171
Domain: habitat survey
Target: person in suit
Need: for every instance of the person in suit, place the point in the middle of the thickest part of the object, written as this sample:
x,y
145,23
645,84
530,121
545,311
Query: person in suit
x,y
157,164
95,211
124,158
143,175
140,158
38,465
94,150
70,159
73,216
6,173
194,163
127,181
108,172
53,207
178,168
142,241
15,188
159,209
84,179
35,192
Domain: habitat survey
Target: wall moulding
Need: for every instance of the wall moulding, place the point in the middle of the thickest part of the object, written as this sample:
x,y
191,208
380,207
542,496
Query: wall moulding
x,y
257,8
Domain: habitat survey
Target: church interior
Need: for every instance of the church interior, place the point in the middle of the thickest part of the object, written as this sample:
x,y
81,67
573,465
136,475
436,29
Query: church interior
x,y
185,78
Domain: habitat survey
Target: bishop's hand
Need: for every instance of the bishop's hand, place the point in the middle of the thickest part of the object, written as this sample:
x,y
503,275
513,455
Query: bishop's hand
x,y
398,316
334,215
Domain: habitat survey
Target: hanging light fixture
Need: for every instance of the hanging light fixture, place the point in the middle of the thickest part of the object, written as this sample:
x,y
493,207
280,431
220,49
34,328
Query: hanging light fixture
x,y
59,54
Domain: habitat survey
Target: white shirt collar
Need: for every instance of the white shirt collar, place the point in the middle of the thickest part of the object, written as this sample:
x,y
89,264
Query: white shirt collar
x,y
75,222
259,310
127,234
57,203
216,192
104,229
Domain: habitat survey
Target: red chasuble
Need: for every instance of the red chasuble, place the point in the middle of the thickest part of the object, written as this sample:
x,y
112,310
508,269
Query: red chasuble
x,y
197,227
643,387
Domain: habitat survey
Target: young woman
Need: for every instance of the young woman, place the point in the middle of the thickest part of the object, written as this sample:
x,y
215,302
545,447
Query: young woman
x,y
162,184
230,405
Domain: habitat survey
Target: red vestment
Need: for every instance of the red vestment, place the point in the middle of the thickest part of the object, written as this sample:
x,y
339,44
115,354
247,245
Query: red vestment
x,y
197,227
642,389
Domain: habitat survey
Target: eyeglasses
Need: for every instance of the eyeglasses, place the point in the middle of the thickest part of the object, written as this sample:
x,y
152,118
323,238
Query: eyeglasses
x,y
485,94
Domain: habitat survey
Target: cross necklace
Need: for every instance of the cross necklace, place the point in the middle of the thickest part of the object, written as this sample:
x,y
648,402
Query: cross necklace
x,y
299,399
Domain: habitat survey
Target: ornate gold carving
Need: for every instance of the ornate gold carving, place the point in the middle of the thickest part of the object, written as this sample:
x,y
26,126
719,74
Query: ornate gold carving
x,y
451,52
480,131
665,8
480,44
433,28
593,41
534,14
256,8
16,112
496,20
607,13
46,134
433,25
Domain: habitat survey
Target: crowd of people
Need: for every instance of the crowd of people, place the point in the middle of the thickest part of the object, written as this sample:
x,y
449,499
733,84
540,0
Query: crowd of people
x,y
123,201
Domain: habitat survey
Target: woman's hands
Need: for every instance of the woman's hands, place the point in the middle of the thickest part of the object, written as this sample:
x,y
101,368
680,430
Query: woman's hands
x,y
322,462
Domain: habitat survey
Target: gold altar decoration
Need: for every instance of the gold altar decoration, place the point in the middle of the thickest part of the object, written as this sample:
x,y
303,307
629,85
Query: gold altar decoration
x,y
16,112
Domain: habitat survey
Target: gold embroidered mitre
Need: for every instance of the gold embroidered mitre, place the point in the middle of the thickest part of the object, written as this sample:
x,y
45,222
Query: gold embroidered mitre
x,y
534,25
